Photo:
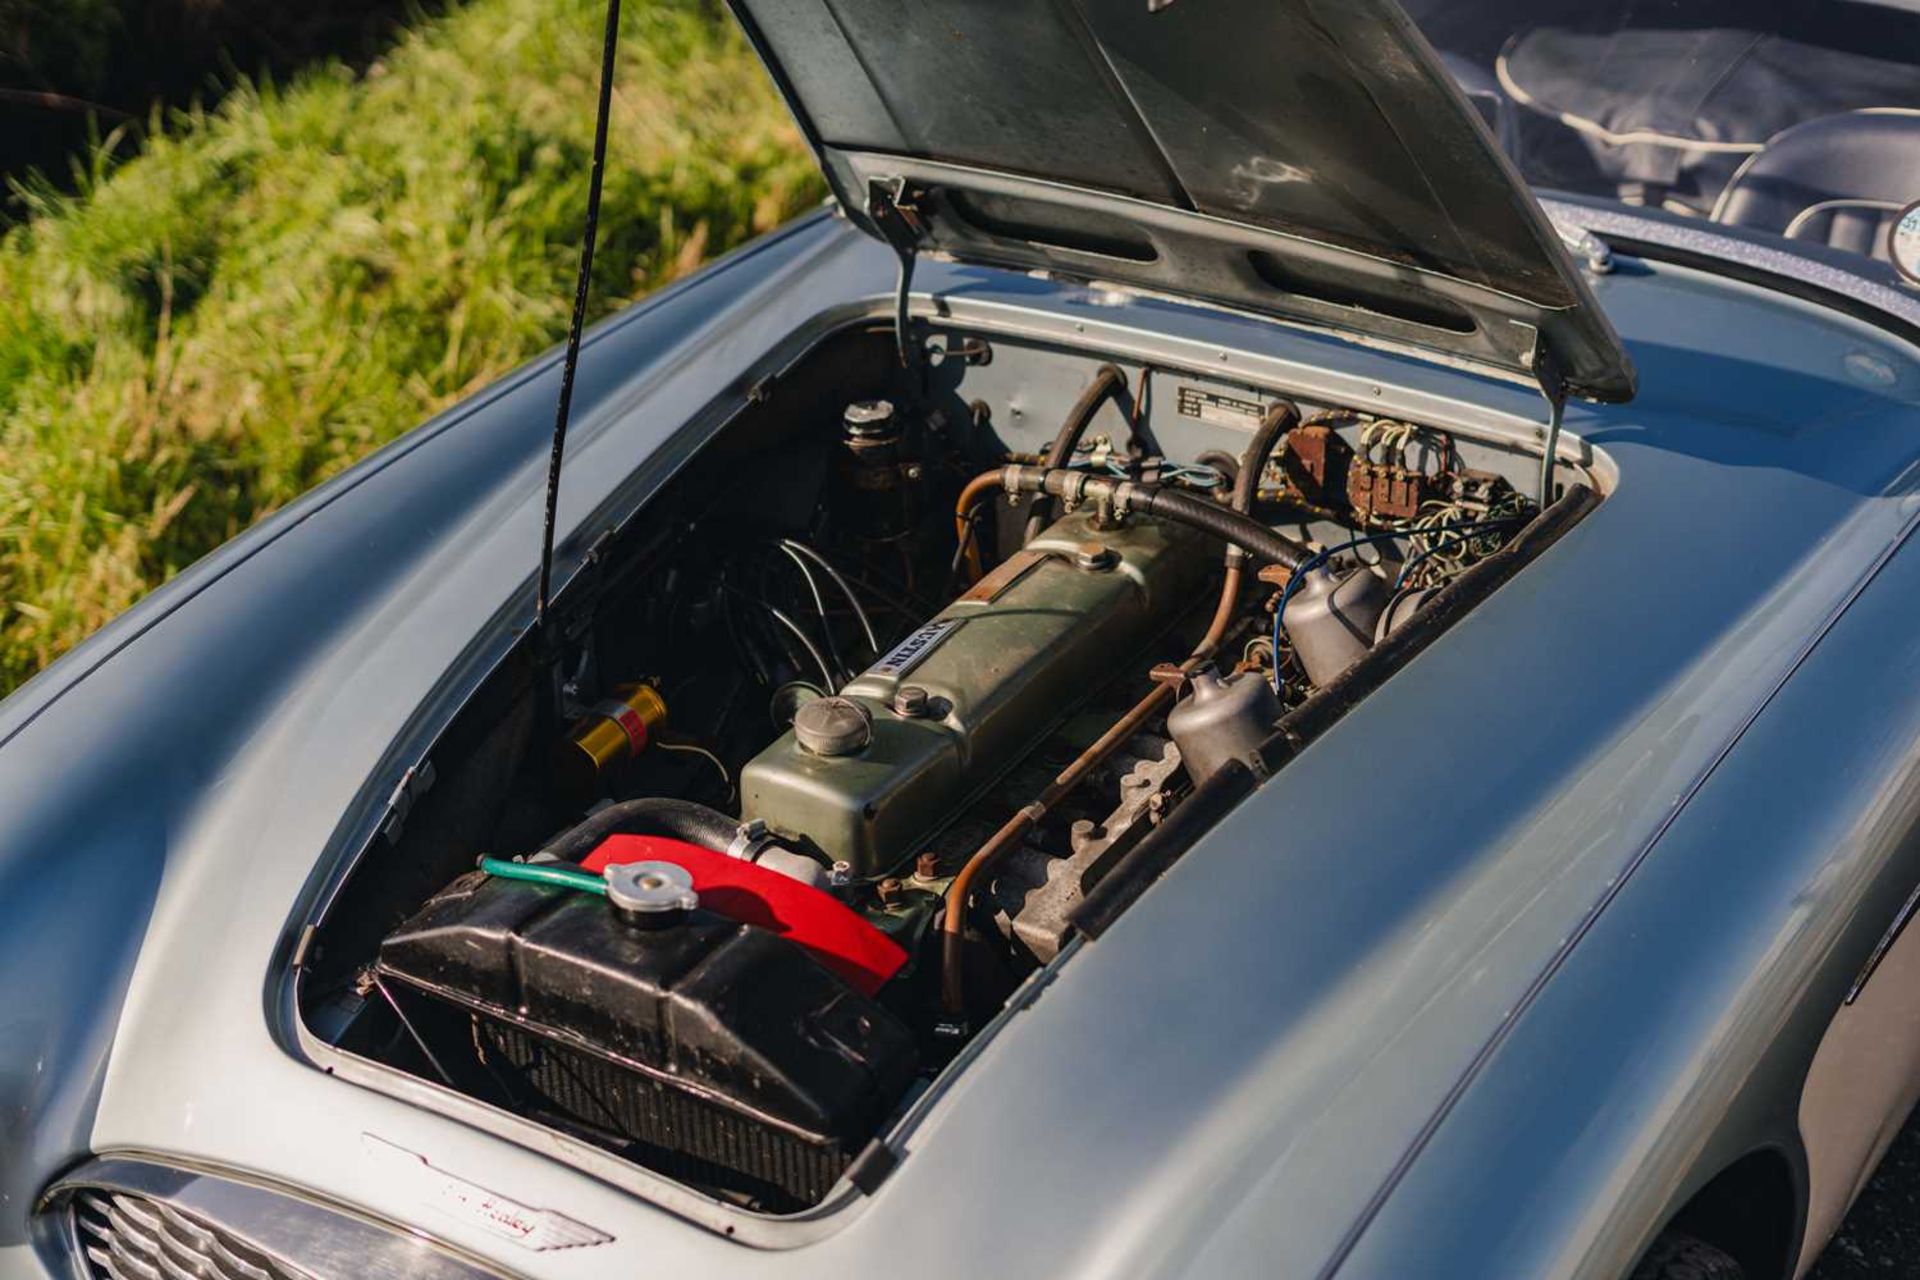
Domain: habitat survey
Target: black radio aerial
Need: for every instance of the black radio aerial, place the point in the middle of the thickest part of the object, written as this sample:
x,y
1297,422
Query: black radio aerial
x,y
572,359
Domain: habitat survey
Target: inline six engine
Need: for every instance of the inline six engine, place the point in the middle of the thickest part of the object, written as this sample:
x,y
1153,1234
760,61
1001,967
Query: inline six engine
x,y
881,703
871,773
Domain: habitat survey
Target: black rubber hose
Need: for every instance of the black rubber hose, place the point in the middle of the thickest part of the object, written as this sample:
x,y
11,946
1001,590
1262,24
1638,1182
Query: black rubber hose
x,y
1283,417
1107,381
1231,527
651,816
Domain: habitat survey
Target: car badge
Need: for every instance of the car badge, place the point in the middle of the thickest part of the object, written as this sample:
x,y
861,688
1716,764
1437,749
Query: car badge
x,y
529,1227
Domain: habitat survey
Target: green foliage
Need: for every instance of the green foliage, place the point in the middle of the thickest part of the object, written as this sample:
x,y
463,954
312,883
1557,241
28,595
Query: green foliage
x,y
276,286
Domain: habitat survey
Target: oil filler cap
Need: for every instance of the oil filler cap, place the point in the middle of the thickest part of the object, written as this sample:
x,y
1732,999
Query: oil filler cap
x,y
869,418
833,726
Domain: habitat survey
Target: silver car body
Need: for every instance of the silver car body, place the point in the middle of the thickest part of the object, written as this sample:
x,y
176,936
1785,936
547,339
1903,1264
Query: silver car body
x,y
1431,1002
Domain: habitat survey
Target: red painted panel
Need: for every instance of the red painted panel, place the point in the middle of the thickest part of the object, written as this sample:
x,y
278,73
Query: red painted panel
x,y
834,933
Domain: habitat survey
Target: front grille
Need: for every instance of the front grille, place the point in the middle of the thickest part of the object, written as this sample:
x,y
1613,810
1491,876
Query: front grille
x,y
132,1237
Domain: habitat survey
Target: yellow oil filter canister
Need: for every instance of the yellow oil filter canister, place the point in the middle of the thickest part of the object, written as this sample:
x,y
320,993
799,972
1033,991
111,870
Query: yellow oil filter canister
x,y
615,729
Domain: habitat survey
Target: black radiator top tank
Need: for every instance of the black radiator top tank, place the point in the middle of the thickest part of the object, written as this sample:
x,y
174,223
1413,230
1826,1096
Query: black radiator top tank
x,y
711,1050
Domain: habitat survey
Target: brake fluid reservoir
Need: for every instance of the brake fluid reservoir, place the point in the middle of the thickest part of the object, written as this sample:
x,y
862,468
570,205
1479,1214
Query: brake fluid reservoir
x,y
876,470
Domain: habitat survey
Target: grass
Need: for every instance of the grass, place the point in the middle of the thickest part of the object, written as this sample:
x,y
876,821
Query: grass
x,y
271,289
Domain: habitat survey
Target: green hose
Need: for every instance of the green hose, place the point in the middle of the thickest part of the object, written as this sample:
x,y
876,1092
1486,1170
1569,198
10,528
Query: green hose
x,y
533,873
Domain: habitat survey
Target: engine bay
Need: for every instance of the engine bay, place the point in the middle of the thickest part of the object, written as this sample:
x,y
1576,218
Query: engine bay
x,y
911,676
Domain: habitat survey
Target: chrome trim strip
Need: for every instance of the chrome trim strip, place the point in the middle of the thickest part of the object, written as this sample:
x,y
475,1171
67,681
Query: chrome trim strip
x,y
1880,948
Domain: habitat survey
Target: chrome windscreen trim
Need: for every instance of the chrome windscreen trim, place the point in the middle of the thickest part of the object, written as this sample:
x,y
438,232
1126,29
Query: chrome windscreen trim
x,y
1861,286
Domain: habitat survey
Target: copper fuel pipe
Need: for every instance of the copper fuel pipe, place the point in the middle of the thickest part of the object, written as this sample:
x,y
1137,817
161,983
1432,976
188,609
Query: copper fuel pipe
x,y
1280,419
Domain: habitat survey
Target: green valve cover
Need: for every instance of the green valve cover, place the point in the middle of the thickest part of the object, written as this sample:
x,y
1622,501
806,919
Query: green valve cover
x,y
997,669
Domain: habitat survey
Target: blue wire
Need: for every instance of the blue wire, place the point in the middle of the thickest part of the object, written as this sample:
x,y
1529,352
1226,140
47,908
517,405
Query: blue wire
x,y
1203,476
1295,579
1321,557
1454,530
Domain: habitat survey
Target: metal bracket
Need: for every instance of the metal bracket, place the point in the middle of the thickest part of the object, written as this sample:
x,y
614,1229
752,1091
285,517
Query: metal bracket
x,y
894,210
414,783
871,1167
750,840
574,672
304,946
1553,386
966,350
1595,254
